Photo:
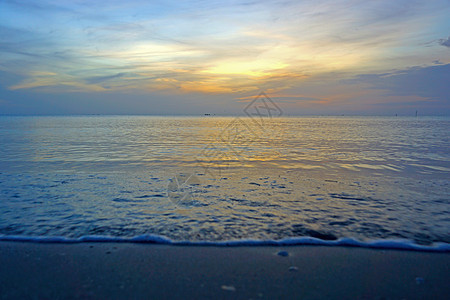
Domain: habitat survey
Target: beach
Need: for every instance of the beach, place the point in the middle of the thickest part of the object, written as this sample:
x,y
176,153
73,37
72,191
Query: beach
x,y
142,207
133,270
224,149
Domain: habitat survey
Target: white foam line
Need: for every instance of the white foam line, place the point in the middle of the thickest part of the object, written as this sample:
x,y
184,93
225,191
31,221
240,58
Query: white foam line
x,y
399,244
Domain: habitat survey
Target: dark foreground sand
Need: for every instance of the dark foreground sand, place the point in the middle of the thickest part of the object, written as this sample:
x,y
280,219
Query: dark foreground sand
x,y
124,270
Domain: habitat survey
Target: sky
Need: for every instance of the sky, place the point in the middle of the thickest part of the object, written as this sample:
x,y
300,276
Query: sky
x,y
379,57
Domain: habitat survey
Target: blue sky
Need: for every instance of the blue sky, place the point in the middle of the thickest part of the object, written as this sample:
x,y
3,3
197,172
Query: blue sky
x,y
195,57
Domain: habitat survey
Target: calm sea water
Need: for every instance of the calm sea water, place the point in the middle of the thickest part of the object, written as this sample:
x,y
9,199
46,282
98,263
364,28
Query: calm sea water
x,y
226,178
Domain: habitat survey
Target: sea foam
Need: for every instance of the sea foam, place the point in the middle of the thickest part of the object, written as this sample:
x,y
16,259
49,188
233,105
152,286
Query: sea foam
x,y
397,244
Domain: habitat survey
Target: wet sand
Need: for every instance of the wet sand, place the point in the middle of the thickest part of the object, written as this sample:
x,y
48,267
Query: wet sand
x,y
126,270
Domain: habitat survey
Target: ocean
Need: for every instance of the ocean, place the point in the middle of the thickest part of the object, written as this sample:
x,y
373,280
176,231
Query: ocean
x,y
226,180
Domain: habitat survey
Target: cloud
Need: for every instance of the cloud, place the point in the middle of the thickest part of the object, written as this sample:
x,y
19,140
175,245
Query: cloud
x,y
245,45
429,82
445,42
100,79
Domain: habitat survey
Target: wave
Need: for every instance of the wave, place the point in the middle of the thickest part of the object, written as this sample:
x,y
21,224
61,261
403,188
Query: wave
x,y
397,244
